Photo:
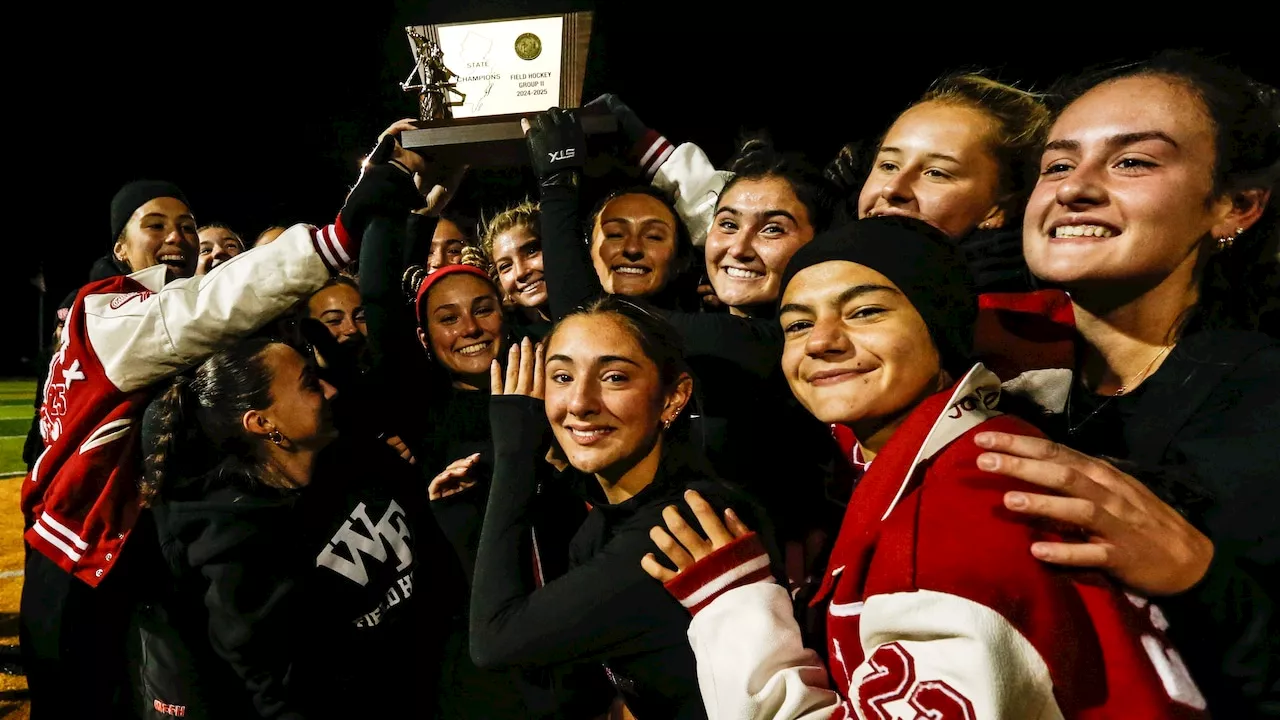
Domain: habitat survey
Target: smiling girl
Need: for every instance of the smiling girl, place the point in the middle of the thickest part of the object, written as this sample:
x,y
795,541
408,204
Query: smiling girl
x,y
1156,210
616,390
934,606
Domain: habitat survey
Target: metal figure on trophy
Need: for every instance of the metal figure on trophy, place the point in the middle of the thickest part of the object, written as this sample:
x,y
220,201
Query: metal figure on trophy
x,y
434,101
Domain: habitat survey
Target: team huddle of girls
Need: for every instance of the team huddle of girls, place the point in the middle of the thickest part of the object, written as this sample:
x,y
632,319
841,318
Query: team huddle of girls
x,y
974,422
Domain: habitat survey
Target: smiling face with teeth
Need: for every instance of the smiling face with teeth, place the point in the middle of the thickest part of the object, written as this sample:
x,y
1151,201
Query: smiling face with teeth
x,y
517,256
633,245
759,224
160,232
606,399
464,328
1126,188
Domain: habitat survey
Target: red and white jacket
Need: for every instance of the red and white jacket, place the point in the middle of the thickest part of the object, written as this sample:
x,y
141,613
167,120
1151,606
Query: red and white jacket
x,y
685,172
936,608
123,335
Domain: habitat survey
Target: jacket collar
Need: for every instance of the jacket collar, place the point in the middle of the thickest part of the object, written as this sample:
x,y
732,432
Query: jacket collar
x,y
152,278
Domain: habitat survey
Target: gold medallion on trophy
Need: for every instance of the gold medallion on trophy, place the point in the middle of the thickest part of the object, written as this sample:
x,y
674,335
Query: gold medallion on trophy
x,y
528,46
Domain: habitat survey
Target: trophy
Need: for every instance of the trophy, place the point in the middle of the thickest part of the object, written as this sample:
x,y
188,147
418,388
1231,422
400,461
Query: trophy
x,y
475,81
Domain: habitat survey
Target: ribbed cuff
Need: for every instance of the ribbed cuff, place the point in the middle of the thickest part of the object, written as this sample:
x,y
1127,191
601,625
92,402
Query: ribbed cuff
x,y
335,246
651,151
741,562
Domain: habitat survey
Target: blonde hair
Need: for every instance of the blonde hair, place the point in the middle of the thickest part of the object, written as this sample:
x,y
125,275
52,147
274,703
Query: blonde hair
x,y
1021,119
523,214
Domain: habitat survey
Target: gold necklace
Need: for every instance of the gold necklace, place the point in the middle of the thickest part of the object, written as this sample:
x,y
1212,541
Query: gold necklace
x,y
1072,429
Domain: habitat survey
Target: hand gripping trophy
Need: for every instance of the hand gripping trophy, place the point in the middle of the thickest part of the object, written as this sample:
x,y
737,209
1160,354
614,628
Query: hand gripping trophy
x,y
434,98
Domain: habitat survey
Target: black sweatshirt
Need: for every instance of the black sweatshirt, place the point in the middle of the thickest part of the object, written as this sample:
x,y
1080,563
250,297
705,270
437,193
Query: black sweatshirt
x,y
606,609
308,595
1202,433
752,429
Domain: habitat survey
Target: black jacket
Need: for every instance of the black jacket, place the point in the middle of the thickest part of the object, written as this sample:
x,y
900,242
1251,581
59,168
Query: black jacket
x,y
1202,432
295,604
605,609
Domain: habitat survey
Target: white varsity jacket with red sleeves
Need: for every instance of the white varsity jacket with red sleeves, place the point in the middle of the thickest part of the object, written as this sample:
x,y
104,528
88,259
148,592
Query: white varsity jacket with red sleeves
x,y
123,335
935,606
685,172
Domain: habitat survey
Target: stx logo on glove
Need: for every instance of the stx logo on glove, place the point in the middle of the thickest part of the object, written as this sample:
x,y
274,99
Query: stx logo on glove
x,y
561,154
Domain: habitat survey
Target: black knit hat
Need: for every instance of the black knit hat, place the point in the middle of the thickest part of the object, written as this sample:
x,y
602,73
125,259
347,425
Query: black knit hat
x,y
136,194
925,265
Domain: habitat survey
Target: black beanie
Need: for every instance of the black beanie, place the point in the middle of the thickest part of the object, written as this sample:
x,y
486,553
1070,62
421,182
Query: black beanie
x,y
925,265
133,196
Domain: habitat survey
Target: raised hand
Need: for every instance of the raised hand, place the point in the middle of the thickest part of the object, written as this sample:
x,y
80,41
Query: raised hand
x,y
556,142
688,547
453,479
1132,534
525,373
401,449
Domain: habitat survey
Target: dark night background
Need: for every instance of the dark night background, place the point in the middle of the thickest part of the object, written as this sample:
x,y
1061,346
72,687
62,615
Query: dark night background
x,y
261,111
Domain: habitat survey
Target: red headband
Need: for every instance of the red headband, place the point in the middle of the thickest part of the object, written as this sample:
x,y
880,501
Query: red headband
x,y
445,271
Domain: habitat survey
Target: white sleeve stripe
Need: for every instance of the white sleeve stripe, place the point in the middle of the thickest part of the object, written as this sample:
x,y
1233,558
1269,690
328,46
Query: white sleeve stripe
x,y
57,542
657,144
64,530
332,233
323,245
653,169
725,580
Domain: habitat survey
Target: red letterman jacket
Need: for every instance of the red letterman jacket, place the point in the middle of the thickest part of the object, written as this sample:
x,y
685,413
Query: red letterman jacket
x,y
123,335
935,607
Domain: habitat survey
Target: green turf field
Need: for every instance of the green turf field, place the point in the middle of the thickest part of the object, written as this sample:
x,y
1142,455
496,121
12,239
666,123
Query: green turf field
x,y
16,396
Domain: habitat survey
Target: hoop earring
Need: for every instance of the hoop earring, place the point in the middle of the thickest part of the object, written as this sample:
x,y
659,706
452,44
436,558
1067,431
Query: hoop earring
x,y
275,437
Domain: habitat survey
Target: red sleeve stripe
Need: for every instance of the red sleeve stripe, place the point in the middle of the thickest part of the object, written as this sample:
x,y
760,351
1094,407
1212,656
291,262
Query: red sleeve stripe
x,y
653,150
752,571
56,542
741,562
332,242
64,530
662,157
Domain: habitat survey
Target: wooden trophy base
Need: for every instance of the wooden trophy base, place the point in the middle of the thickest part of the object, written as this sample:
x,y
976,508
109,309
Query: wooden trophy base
x,y
491,141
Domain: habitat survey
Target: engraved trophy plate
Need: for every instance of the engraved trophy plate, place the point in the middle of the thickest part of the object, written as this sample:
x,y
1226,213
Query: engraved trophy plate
x,y
476,80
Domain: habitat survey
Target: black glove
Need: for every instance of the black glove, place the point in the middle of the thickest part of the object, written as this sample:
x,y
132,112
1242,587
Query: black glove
x,y
627,118
557,146
385,189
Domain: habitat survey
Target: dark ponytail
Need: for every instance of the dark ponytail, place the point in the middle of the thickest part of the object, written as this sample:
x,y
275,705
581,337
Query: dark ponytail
x,y
197,420
167,431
